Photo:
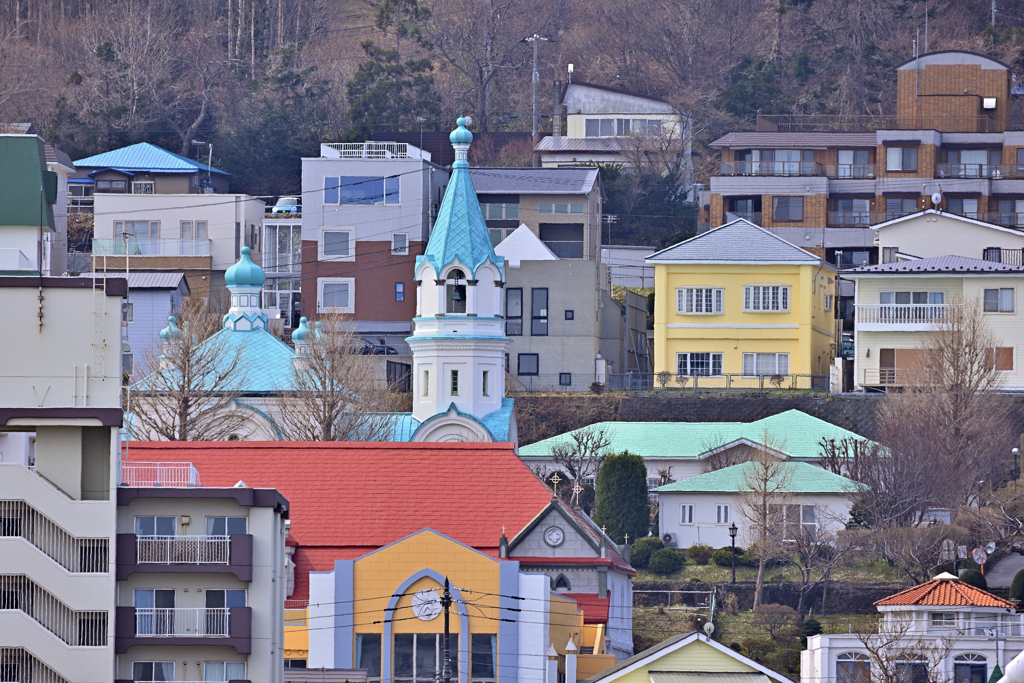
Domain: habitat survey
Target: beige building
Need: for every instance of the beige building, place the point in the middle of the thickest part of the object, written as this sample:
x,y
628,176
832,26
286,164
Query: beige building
x,y
898,305
936,233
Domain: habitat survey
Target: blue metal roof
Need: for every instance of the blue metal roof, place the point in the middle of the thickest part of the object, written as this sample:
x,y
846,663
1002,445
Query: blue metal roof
x,y
145,157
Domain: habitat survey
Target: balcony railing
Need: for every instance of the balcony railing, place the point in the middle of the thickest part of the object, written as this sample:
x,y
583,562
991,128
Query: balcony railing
x,y
371,150
842,123
1013,257
1009,220
861,219
182,622
159,474
183,549
902,314
76,628
150,247
566,249
18,519
752,216
20,665
850,171
14,259
773,168
979,171
892,377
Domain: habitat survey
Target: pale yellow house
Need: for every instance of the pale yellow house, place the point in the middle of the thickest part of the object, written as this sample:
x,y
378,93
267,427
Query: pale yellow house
x,y
898,305
739,307
689,658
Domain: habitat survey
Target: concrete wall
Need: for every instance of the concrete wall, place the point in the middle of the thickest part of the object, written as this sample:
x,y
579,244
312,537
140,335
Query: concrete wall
x,y
58,240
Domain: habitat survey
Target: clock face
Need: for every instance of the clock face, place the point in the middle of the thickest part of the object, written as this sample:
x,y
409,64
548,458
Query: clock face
x,y
554,536
426,604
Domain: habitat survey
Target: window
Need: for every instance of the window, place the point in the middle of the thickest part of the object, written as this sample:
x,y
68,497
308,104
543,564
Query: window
x,y
426,382
561,583
193,230
295,663
699,300
539,311
787,209
485,388
890,254
400,244
686,514
999,300
498,235
500,211
755,364
128,364
514,311
156,526
455,292
335,245
223,671
970,668
565,379
219,599
154,612
226,526
999,358
529,364
118,186
912,672
142,187
901,158
140,230
766,298
560,209
943,619
853,667
485,654
455,383
570,314
798,521
152,671
963,206
899,206
721,514
417,656
361,190
368,654
601,128
282,251
399,291
336,295
828,303
128,312
853,163
698,364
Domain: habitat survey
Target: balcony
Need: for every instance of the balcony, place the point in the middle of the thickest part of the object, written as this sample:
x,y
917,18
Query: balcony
x,y
979,171
752,216
190,626
15,260
1013,257
150,247
861,219
870,123
1008,220
773,168
184,555
850,171
159,474
887,377
900,317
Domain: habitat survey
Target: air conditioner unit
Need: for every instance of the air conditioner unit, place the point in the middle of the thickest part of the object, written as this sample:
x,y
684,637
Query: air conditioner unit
x,y
988,103
670,540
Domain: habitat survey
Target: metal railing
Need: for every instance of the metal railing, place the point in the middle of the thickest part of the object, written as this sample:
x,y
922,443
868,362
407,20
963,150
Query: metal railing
x,y
1013,257
76,628
296,604
183,549
18,519
19,665
182,622
159,474
859,219
726,382
979,171
773,168
901,314
894,377
1009,220
566,249
850,171
14,259
371,150
870,123
150,247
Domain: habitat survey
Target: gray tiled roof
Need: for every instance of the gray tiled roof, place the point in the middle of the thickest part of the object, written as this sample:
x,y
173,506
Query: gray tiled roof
x,y
938,264
141,280
533,180
739,241
56,156
564,144
796,140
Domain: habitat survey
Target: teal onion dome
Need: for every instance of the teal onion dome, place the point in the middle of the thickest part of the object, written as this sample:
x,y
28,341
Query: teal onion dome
x,y
245,273
171,330
302,332
461,135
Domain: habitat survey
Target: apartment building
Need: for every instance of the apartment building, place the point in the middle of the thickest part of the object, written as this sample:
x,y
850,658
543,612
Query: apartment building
x,y
951,135
368,209
561,206
60,412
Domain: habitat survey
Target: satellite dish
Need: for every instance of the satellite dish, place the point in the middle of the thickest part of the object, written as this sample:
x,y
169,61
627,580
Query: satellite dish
x,y
709,628
937,198
469,121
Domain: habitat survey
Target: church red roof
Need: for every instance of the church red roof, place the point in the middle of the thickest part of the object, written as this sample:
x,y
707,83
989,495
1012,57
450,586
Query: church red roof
x,y
348,499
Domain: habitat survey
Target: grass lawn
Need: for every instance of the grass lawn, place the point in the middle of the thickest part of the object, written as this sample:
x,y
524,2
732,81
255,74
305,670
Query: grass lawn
x,y
859,570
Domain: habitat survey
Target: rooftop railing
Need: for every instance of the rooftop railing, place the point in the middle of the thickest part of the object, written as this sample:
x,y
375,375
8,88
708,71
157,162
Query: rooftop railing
x,y
370,150
159,474
870,123
150,247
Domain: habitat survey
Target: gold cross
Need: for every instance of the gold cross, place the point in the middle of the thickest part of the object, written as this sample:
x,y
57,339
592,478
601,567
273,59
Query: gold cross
x,y
554,480
577,490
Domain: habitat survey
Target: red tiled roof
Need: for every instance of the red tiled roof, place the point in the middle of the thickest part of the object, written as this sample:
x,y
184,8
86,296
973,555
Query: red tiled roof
x,y
945,593
595,609
348,499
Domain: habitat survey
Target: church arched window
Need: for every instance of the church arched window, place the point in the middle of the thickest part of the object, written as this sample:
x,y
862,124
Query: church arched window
x,y
455,292
561,583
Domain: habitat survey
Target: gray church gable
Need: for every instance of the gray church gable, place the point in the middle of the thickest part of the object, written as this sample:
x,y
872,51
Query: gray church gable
x,y
574,543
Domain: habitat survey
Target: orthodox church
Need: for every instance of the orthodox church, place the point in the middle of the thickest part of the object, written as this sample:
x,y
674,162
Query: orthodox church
x,y
458,341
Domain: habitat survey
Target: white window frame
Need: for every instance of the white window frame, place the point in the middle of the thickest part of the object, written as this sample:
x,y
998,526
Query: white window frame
x,y
755,293
321,281
1013,360
351,244
395,249
127,313
723,514
689,364
686,299
766,374
224,672
999,299
141,183
686,514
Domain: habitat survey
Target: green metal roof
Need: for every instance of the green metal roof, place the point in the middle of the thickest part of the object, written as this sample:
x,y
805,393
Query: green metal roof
x,y
803,478
793,433
29,189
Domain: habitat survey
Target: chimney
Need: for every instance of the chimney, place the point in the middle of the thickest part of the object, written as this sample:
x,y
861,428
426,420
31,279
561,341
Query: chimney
x,y
556,109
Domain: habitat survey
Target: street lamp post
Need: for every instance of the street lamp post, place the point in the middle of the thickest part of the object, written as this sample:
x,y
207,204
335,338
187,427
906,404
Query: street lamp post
x,y
1016,466
732,536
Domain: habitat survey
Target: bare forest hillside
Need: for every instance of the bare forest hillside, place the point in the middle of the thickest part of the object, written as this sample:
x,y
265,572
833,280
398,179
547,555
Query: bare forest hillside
x,y
265,80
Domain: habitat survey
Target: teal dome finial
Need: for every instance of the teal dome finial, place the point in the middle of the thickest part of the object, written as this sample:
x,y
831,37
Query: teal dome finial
x,y
461,135
245,273
302,332
171,330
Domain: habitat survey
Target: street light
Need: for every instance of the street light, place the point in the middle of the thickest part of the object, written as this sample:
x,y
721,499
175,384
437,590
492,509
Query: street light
x,y
732,535
1016,466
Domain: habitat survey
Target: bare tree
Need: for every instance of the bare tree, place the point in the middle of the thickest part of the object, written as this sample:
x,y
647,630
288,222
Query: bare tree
x,y
763,495
335,393
582,455
899,650
916,551
191,391
817,551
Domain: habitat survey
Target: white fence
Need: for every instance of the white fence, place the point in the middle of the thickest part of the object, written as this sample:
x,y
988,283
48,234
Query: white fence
x,y
80,555
78,629
182,622
371,150
18,665
902,314
159,474
183,549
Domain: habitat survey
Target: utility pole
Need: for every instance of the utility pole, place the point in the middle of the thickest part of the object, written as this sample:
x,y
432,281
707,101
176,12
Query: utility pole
x,y
536,83
446,666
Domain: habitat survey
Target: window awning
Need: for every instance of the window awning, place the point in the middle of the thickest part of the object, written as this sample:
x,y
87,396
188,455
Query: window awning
x,y
708,677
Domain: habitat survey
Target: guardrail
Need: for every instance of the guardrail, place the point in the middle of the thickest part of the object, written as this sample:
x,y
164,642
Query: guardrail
x,y
159,474
727,382
182,622
850,171
869,123
901,314
183,549
979,171
18,519
19,665
150,247
75,628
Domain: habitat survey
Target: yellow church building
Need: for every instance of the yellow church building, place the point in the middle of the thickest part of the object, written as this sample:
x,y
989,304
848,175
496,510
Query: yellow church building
x,y
739,307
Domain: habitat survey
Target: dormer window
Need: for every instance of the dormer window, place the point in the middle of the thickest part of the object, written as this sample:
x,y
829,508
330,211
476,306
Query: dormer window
x,y
455,292
943,619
